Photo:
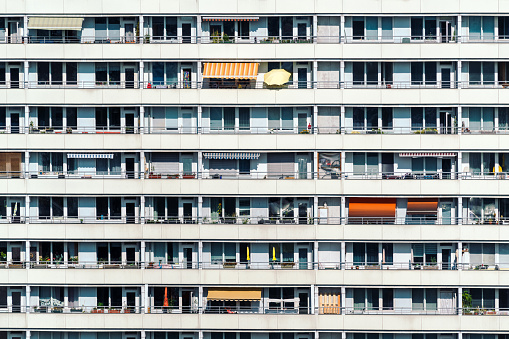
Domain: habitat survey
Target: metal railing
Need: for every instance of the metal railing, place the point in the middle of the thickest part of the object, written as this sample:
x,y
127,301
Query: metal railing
x,y
266,265
246,310
234,84
258,220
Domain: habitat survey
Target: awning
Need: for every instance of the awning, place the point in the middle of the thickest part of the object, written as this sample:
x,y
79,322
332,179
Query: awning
x,y
52,24
232,155
422,206
230,70
234,294
372,207
90,155
230,18
427,154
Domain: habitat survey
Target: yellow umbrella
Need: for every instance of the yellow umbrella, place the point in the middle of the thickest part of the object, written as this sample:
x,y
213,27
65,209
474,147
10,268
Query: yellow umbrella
x,y
248,258
277,77
273,253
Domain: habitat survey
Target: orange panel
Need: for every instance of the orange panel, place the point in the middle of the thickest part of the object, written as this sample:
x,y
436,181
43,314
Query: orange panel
x,y
422,205
372,207
230,70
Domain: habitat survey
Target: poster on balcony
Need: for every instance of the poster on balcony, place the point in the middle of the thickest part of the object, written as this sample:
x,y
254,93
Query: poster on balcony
x,y
329,165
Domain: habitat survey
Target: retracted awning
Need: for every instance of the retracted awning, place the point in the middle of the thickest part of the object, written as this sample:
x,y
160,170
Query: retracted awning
x,y
52,23
230,70
427,154
230,18
90,155
232,155
372,207
422,206
234,294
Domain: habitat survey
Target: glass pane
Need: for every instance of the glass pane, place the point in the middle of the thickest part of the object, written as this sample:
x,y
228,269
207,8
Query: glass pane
x,y
488,73
372,162
474,73
416,29
158,73
416,118
372,73
430,117
431,165
416,73
288,252
488,28
244,118
371,28
372,118
229,118
474,27
430,70
287,118
230,252
358,162
431,299
216,118
358,118
417,299
418,165
386,28
274,118
216,252
488,119
171,74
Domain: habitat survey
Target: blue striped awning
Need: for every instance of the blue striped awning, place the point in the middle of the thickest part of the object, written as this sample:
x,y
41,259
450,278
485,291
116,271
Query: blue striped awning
x,y
232,155
90,155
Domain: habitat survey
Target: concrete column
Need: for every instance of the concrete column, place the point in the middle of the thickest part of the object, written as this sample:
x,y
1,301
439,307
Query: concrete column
x,y
460,124
200,210
27,334
342,127
460,300
25,29
458,74
459,38
460,165
316,258
25,74
27,165
66,254
27,254
140,26
198,29
200,298
27,209
459,212
343,304
199,73
142,254
200,254
142,169
200,334
315,74
143,334
27,118
199,123
459,259
343,210
315,120
342,76
142,120
27,302
312,299
315,28
142,209
343,254
315,169
66,297
342,30
146,299
142,74
315,210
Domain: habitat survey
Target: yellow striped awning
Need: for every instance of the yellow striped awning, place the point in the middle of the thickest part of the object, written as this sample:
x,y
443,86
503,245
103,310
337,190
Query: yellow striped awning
x,y
234,294
230,70
53,24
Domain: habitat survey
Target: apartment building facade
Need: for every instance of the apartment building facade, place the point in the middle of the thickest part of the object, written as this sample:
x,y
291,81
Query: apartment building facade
x,y
154,186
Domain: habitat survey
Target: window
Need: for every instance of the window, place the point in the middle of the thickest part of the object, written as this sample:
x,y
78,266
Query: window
x,y
244,166
49,73
365,253
481,73
483,118
424,254
107,118
483,298
280,118
387,33
482,163
223,252
244,207
424,299
387,118
72,207
503,27
50,117
365,73
107,73
417,74
365,118
224,118
244,118
108,208
481,28
416,28
482,254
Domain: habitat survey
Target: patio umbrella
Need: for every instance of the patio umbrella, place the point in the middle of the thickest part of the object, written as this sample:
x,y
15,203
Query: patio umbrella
x,y
277,77
248,258
166,303
273,253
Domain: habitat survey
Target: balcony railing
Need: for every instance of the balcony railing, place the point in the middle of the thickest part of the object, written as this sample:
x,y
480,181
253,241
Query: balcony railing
x,y
249,220
266,265
233,84
386,38
247,310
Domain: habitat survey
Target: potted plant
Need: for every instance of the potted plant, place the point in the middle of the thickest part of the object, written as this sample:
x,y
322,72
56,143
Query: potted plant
x,y
466,298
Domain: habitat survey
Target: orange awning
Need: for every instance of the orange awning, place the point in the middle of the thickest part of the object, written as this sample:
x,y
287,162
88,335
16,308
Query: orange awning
x,y
230,70
427,206
372,207
230,18
234,294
